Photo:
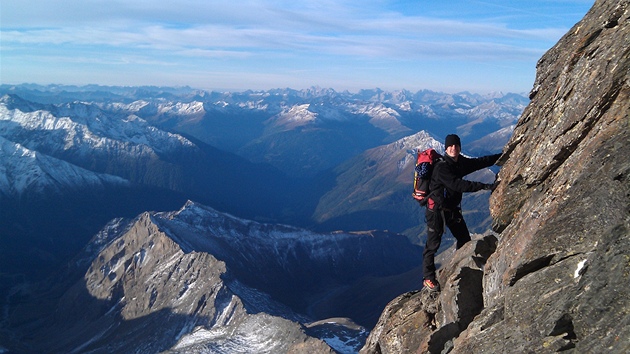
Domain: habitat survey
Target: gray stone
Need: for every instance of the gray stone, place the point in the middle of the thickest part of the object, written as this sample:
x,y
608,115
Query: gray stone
x,y
558,280
429,321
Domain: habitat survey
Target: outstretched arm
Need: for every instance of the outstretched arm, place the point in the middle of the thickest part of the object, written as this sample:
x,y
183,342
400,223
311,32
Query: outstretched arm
x,y
452,182
478,163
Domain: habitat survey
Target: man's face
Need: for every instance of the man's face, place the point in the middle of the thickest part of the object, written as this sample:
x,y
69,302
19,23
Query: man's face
x,y
453,150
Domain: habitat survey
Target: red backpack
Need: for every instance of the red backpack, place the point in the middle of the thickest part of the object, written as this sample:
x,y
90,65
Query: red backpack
x,y
422,175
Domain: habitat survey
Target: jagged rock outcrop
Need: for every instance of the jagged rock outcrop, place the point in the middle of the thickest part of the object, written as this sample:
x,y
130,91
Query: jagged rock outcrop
x,y
427,321
558,280
143,293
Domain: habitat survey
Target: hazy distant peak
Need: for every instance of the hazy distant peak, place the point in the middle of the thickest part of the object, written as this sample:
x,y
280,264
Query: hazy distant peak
x,y
12,101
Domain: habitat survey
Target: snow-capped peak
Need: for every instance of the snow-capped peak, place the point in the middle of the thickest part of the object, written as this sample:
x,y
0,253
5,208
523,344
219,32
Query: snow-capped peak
x,y
84,126
183,108
298,113
23,170
417,142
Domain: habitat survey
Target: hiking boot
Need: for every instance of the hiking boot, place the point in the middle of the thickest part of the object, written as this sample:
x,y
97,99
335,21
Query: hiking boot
x,y
433,285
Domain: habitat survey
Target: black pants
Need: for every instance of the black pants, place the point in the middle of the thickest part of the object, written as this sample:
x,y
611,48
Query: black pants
x,y
435,229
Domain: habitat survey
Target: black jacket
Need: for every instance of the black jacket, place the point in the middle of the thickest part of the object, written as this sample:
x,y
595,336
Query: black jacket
x,y
447,183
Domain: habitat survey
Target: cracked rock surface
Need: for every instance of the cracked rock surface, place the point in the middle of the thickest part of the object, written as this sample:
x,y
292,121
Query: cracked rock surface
x,y
558,279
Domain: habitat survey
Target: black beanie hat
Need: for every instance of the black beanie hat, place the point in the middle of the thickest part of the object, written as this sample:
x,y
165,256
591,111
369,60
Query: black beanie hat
x,y
452,139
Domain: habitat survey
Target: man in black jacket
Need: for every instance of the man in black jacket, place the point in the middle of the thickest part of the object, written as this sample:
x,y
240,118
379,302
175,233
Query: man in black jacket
x,y
444,204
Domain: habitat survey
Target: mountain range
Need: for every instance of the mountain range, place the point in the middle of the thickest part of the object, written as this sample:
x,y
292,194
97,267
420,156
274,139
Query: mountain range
x,y
149,219
75,158
281,155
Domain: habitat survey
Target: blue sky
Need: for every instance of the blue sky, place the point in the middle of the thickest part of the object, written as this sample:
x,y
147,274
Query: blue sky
x,y
450,46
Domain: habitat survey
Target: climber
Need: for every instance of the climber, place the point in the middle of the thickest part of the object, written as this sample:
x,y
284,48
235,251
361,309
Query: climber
x,y
444,205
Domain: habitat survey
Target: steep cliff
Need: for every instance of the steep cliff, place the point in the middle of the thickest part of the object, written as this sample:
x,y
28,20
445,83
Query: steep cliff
x,y
558,279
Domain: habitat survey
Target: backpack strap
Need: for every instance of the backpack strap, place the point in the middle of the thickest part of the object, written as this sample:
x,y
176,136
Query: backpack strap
x,y
431,200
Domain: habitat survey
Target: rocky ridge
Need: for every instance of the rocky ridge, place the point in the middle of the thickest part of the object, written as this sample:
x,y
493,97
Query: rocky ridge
x,y
555,276
143,291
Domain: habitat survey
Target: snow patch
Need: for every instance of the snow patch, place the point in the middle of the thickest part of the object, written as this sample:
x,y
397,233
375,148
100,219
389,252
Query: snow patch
x,y
580,269
199,336
91,340
298,113
22,169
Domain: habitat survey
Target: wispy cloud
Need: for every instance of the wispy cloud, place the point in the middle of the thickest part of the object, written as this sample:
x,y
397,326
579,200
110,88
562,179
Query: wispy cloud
x,y
176,31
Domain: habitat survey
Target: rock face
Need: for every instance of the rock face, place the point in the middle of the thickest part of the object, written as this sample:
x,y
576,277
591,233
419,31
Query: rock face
x,y
425,321
558,280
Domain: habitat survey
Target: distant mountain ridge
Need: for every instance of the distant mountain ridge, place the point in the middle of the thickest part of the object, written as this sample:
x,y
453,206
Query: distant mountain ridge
x,y
321,161
360,120
74,162
289,156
